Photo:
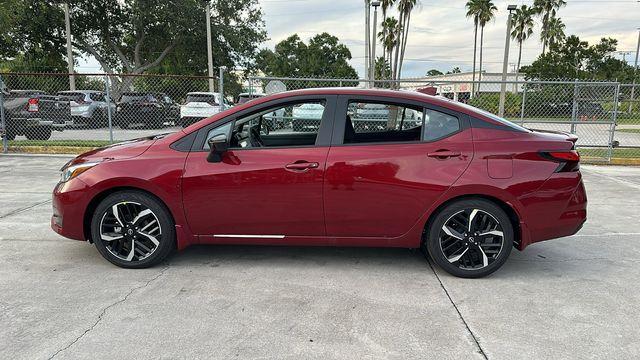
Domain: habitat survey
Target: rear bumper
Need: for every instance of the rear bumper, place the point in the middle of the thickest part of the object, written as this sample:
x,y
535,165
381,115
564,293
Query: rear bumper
x,y
557,209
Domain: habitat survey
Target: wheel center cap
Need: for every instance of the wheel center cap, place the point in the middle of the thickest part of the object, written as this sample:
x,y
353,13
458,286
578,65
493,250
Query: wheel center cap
x,y
471,238
130,232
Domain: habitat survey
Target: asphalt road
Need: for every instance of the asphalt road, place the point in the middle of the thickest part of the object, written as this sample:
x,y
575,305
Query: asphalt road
x,y
576,297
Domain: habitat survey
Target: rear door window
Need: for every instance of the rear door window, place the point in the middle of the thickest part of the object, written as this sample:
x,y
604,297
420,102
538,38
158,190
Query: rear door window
x,y
379,122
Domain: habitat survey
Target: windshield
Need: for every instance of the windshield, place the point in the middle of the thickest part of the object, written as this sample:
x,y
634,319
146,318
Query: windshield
x,y
494,117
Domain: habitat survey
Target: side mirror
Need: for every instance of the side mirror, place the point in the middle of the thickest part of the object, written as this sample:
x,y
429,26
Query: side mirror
x,y
218,145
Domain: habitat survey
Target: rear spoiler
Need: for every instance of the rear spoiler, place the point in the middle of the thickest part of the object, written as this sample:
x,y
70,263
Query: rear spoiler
x,y
571,137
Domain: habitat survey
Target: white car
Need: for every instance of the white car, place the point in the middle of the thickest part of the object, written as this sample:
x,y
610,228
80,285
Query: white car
x,y
88,107
198,106
306,117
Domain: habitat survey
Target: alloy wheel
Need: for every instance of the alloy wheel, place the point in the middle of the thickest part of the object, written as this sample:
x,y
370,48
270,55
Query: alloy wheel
x,y
130,231
471,239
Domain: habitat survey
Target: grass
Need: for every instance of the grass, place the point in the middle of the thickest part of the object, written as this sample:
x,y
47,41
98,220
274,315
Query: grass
x,y
625,153
71,143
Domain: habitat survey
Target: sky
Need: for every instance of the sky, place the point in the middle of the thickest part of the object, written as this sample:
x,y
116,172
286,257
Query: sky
x,y
440,36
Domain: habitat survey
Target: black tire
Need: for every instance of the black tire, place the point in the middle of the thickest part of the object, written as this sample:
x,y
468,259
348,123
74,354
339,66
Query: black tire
x,y
166,239
38,133
476,246
98,119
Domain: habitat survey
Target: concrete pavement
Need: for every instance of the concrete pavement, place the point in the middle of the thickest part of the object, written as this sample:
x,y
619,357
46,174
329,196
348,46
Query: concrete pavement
x,y
575,297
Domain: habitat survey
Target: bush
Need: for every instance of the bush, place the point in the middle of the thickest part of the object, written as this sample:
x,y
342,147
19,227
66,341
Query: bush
x,y
491,103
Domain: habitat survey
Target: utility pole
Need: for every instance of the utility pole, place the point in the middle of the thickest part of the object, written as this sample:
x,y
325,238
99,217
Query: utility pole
x,y
505,62
367,48
372,77
635,71
221,87
67,21
209,50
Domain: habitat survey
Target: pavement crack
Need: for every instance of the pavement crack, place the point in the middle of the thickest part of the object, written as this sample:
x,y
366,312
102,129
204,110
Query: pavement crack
x,y
466,325
105,309
18,211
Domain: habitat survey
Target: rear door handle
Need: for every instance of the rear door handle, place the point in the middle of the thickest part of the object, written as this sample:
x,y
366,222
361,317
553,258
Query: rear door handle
x,y
443,154
302,165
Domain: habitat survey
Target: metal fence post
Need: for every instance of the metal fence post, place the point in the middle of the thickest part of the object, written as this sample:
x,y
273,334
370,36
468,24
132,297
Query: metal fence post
x,y
614,120
221,86
574,109
5,145
524,101
107,87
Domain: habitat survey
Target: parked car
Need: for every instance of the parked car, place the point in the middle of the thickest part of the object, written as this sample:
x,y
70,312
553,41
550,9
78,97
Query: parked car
x,y
306,117
34,114
151,110
244,97
89,107
198,106
376,116
465,186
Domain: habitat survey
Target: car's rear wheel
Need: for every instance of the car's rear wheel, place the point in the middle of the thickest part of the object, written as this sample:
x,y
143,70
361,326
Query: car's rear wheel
x,y
470,238
38,133
132,229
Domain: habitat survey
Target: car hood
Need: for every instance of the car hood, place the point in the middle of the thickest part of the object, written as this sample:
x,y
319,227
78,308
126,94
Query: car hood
x,y
119,151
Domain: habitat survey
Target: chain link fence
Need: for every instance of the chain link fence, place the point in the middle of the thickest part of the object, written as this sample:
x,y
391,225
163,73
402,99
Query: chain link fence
x,y
604,115
40,113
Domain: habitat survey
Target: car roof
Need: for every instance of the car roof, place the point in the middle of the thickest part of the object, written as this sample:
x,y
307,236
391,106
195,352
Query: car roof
x,y
80,91
202,93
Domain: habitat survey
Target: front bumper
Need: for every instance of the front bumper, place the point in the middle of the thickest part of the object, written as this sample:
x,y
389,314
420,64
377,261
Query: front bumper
x,y
70,200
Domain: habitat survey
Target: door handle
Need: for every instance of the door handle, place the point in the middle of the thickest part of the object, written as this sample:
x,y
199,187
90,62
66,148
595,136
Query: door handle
x,y
302,165
443,154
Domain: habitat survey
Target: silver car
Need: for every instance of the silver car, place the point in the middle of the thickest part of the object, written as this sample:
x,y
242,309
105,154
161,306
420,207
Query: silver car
x,y
89,107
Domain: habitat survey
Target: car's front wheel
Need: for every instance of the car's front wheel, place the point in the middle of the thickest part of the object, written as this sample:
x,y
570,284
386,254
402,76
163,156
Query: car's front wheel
x,y
470,238
133,229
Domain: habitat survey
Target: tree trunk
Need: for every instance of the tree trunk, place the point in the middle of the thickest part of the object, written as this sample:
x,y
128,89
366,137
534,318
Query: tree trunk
x,y
480,62
519,58
397,47
404,44
475,46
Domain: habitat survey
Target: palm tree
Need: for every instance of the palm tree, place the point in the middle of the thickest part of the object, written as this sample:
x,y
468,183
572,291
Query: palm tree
x,y
554,33
388,37
486,14
522,24
473,9
386,4
405,7
548,10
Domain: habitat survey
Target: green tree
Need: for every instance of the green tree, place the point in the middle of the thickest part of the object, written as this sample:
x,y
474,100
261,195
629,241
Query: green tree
x,y
386,4
487,13
388,38
382,70
323,57
455,70
405,7
548,10
434,72
522,24
474,8
577,59
553,34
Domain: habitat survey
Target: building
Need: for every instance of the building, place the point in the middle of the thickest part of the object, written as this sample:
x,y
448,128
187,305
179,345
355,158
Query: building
x,y
459,86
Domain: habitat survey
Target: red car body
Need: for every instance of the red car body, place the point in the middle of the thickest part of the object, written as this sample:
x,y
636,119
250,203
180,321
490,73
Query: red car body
x,y
364,195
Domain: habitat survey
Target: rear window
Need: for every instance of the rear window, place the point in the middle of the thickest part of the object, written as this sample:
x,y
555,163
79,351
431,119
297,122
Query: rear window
x,y
76,96
493,117
97,96
135,97
210,99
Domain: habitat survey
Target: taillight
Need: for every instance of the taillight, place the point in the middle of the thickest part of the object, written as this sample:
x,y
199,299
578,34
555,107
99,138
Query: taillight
x,y
569,160
32,105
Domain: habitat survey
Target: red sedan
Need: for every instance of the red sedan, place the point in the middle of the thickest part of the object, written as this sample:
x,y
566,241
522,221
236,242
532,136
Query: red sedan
x,y
418,172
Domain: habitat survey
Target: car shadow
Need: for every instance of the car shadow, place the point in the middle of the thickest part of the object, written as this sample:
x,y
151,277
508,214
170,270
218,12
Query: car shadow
x,y
215,255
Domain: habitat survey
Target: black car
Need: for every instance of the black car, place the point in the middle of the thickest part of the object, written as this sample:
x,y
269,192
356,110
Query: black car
x,y
34,114
151,110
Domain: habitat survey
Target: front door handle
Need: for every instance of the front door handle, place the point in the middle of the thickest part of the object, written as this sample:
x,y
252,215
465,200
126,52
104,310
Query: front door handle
x,y
443,154
302,165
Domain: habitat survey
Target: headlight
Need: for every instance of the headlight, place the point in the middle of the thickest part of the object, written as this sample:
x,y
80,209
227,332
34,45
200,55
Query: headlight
x,y
69,172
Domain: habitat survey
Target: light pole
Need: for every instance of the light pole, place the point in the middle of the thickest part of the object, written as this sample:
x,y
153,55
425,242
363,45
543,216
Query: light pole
x,y
67,21
372,70
505,62
635,71
367,48
209,50
221,87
